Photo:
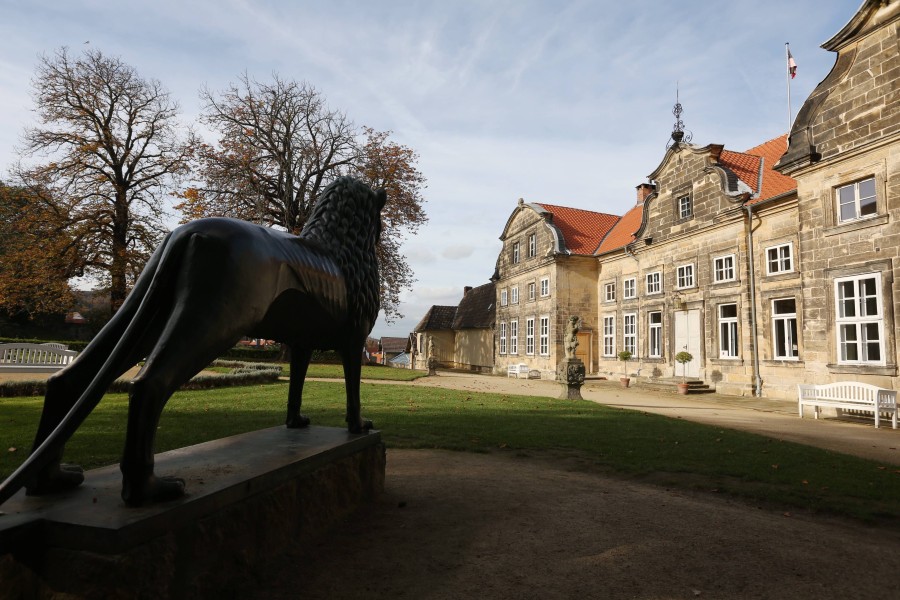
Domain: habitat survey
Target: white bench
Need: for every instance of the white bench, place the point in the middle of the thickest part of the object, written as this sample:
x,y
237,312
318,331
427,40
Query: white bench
x,y
517,370
34,358
849,396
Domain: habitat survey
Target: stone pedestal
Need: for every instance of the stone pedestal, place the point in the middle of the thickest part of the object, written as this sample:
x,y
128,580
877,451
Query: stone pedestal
x,y
250,498
570,374
432,364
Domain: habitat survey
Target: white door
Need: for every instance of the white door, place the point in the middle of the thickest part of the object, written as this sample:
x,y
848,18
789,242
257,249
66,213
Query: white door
x,y
688,337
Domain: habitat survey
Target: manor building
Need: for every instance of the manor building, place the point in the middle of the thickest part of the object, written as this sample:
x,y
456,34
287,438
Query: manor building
x,y
771,266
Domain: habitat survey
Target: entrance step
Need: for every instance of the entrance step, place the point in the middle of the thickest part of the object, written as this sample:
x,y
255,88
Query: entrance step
x,y
670,384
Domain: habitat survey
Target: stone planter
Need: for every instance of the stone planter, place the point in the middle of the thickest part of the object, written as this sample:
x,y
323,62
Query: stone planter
x,y
624,381
683,388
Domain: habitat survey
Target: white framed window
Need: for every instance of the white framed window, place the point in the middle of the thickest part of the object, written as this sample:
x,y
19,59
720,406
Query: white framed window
x,y
515,254
860,319
514,337
609,292
685,276
544,342
502,337
856,200
780,259
723,268
532,245
514,295
685,207
629,333
531,291
503,297
654,327
784,329
609,336
529,336
728,331
629,288
654,283
545,287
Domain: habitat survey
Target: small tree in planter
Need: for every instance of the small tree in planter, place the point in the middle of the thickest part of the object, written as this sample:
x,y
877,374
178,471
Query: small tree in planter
x,y
625,356
683,357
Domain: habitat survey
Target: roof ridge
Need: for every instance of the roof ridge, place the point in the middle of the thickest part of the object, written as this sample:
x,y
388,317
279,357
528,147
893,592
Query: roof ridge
x,y
594,212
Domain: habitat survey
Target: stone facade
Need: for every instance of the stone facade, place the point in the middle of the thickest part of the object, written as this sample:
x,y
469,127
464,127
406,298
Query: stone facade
x,y
679,279
845,156
544,274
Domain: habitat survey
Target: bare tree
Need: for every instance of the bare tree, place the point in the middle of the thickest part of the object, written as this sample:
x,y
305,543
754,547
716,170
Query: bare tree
x,y
108,151
280,145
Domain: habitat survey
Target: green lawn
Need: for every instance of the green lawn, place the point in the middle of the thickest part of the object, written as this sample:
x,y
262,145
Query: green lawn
x,y
670,452
368,372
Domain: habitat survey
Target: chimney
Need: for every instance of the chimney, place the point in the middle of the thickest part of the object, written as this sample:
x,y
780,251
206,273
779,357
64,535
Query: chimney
x,y
644,190
466,290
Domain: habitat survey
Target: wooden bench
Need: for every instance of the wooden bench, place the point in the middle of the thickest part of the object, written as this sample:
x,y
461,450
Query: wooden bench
x,y
517,370
34,358
849,396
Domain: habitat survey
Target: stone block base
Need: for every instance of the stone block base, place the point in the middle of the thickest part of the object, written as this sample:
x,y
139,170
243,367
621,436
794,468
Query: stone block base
x,y
249,498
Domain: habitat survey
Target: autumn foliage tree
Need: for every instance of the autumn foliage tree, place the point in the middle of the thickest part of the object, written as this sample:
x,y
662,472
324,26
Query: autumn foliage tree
x,y
37,257
105,156
280,145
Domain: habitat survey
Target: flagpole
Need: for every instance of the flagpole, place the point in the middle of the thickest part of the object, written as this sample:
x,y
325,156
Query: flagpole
x,y
787,75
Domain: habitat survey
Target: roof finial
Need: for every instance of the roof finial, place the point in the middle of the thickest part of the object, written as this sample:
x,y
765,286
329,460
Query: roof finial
x,y
678,132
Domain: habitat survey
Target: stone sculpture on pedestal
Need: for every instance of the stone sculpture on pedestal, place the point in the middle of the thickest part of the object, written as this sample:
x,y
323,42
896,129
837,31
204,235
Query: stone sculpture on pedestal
x,y
570,372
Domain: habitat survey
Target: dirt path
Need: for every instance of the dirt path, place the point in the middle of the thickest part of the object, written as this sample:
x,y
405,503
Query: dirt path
x,y
458,525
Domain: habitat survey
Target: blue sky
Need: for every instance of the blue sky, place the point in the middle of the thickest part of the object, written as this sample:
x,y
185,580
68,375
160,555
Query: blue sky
x,y
551,101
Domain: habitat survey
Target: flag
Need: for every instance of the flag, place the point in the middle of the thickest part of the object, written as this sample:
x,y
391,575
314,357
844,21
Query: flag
x,y
792,66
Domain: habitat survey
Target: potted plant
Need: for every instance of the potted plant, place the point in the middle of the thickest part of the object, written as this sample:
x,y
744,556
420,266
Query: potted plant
x,y
683,357
625,356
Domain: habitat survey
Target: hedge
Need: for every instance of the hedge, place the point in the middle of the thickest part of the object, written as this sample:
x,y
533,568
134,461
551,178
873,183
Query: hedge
x,y
243,373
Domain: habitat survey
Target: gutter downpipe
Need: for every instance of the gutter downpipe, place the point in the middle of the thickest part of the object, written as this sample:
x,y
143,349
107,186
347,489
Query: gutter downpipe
x,y
757,379
631,255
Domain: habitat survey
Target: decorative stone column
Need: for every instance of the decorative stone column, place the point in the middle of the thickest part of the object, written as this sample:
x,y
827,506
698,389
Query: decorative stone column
x,y
570,372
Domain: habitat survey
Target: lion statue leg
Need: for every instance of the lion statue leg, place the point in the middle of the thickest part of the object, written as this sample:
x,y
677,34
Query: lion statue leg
x,y
352,359
300,358
168,367
65,387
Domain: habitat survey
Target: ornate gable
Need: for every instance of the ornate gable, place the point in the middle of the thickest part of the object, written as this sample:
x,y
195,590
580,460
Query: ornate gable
x,y
853,106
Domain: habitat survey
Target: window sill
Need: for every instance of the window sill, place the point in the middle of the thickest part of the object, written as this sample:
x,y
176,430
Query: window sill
x,y
731,362
889,370
783,362
783,276
856,224
725,283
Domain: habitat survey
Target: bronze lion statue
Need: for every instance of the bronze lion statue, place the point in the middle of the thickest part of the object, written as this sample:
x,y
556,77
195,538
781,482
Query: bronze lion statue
x,y
211,282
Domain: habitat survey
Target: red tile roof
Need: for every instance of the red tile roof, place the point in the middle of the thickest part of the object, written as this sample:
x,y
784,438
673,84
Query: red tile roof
x,y
744,164
774,183
582,230
623,233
